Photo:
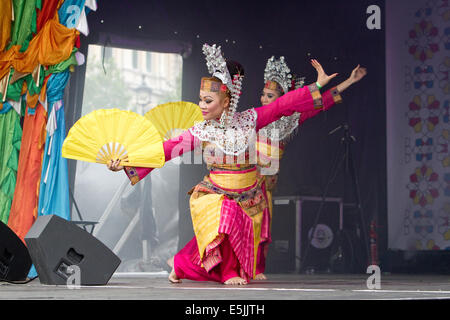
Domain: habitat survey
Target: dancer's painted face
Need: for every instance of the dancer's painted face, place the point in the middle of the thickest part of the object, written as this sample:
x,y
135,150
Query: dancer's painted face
x,y
269,95
212,104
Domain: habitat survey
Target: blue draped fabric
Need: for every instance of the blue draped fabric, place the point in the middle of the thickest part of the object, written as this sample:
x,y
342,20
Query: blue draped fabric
x,y
56,85
6,107
54,187
54,183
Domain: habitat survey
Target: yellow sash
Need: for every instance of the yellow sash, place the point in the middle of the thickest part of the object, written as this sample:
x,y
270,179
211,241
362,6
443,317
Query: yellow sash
x,y
233,180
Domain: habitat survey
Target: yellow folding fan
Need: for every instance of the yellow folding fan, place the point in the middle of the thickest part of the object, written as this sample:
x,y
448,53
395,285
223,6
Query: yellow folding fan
x,y
171,119
110,134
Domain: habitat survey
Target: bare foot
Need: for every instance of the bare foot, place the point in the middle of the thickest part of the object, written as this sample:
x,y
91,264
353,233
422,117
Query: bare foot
x,y
260,276
173,277
170,262
235,281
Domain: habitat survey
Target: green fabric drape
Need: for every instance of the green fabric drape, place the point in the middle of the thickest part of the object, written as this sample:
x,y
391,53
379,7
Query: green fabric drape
x,y
11,133
32,88
14,90
24,24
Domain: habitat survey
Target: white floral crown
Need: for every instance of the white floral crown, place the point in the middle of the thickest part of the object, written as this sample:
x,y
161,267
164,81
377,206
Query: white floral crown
x,y
278,71
217,67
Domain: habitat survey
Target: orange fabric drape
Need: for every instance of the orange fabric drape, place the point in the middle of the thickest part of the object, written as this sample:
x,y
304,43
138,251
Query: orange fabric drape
x,y
6,58
32,100
53,44
5,22
25,202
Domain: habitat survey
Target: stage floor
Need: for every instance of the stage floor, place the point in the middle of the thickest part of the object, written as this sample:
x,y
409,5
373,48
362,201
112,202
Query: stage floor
x,y
155,286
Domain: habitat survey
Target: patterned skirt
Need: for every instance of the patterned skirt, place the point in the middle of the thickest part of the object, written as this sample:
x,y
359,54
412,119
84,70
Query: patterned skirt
x,y
228,207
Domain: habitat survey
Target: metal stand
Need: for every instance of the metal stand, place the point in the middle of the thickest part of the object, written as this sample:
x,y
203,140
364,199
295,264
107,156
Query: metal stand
x,y
343,157
81,222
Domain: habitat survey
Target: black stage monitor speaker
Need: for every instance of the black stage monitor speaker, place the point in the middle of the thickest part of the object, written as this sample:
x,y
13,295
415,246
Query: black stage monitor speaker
x,y
56,245
281,254
15,261
319,248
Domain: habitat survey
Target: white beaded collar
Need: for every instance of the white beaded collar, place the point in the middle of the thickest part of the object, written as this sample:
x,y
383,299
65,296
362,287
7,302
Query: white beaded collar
x,y
234,138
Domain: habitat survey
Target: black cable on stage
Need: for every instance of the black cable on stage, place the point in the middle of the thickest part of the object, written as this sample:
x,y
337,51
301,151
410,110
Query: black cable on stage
x,y
18,282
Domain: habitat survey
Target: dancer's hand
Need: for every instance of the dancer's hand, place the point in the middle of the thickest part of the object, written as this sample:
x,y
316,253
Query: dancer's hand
x,y
322,77
357,74
113,165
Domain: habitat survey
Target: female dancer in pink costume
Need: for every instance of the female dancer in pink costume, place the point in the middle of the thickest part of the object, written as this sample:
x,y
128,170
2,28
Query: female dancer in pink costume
x,y
228,207
273,138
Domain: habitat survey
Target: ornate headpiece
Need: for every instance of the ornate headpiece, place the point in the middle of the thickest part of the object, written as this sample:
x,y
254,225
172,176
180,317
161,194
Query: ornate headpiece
x,y
277,75
297,82
217,67
278,71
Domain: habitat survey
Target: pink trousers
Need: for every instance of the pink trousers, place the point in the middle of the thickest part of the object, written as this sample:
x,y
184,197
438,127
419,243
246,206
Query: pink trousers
x,y
186,269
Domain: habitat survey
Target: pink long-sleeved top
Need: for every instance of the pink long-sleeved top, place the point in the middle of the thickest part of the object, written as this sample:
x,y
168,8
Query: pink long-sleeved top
x,y
306,100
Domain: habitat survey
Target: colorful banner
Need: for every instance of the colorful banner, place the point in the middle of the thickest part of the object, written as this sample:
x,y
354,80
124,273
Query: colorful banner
x,y
37,51
418,159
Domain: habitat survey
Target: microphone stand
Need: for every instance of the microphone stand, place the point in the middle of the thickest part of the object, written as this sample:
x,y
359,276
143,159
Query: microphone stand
x,y
342,157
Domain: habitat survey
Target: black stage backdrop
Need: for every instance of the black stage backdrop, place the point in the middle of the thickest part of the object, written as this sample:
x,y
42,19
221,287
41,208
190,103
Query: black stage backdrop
x,y
334,32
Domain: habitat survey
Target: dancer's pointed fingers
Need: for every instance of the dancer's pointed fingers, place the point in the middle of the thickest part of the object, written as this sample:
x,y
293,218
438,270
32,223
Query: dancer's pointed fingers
x,y
333,75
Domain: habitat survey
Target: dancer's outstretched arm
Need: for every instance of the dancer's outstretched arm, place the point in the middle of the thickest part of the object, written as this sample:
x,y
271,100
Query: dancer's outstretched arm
x,y
356,75
332,96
